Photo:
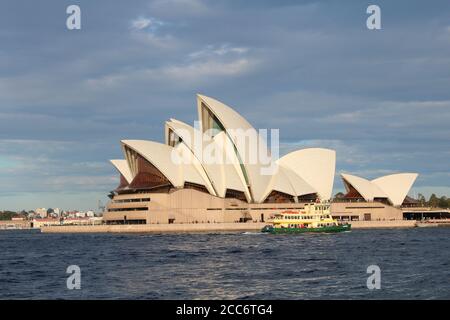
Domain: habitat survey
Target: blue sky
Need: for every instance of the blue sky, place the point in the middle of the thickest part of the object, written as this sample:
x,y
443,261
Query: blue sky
x,y
380,98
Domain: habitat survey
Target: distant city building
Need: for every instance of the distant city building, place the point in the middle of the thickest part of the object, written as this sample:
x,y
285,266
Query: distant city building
x,y
82,221
71,214
38,223
42,212
90,214
80,214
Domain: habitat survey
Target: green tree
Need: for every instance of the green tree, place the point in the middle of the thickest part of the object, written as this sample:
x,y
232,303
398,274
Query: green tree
x,y
443,202
339,195
421,199
7,215
433,201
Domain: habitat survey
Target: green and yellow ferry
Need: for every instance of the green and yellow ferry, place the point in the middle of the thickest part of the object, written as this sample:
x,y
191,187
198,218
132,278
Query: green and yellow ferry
x,y
315,217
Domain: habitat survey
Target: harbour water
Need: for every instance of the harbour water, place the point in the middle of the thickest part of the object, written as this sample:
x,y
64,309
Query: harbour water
x,y
414,263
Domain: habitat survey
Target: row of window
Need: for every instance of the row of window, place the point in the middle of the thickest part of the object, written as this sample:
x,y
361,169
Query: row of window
x,y
291,208
296,208
132,200
304,217
326,225
127,209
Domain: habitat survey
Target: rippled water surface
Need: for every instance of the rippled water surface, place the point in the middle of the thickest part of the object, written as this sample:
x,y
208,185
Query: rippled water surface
x,y
415,264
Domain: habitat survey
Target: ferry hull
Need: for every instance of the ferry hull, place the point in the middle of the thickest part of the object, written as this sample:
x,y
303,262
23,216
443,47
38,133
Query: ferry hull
x,y
332,229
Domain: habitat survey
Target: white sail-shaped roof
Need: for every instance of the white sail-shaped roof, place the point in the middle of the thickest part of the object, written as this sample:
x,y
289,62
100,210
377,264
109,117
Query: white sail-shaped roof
x,y
222,175
396,186
237,128
229,165
287,181
122,166
241,158
189,158
186,148
300,186
167,160
365,187
314,165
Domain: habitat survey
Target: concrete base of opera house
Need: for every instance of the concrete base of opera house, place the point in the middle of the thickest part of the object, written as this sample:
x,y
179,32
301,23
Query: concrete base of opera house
x,y
205,227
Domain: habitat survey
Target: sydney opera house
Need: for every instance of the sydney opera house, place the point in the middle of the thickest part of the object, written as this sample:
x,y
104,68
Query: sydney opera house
x,y
378,199
221,170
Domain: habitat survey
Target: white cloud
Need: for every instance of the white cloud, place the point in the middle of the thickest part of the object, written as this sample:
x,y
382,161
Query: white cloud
x,y
180,7
142,23
199,71
181,75
146,30
164,42
222,50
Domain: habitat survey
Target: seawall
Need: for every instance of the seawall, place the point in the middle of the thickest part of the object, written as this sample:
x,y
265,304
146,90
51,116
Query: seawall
x,y
383,224
156,228
14,224
204,227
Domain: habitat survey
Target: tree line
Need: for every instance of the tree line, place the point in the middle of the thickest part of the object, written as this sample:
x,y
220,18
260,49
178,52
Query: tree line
x,y
434,201
8,215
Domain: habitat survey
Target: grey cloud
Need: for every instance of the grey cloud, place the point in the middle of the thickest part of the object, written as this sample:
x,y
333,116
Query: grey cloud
x,y
310,68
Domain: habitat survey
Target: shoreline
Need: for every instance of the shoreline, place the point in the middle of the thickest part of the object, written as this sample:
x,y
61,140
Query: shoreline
x,y
206,227
155,228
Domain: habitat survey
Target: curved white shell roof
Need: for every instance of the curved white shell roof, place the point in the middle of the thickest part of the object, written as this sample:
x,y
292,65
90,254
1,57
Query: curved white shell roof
x,y
187,148
230,169
315,165
366,188
123,168
168,161
183,130
299,185
227,116
187,155
298,173
235,124
396,186
221,176
287,181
